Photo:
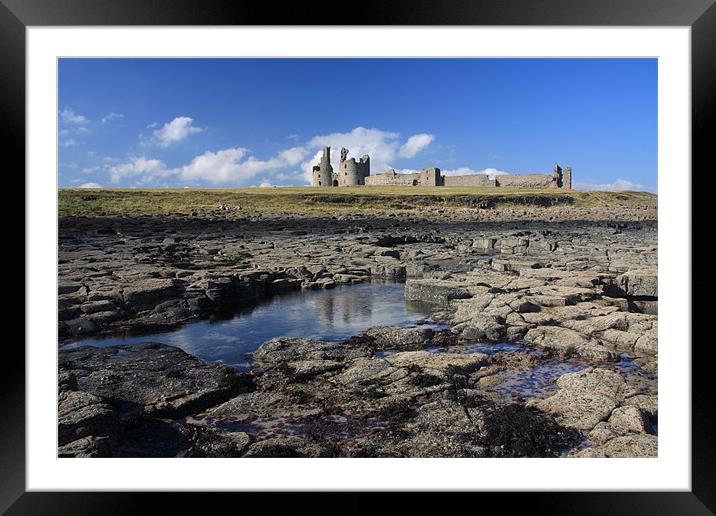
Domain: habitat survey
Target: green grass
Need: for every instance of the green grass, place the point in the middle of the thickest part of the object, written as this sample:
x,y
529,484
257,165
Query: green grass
x,y
315,201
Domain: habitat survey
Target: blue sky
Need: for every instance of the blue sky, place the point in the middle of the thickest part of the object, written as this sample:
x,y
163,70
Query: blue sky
x,y
262,122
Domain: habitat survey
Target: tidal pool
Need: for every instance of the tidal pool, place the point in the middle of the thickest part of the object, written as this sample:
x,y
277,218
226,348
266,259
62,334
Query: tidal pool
x,y
332,314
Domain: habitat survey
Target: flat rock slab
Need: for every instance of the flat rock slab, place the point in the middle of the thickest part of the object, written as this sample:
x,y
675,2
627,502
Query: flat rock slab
x,y
144,293
388,337
567,341
283,350
82,415
584,398
151,379
642,283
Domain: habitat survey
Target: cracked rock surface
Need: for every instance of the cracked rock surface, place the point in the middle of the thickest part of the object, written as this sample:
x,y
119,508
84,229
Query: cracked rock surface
x,y
573,303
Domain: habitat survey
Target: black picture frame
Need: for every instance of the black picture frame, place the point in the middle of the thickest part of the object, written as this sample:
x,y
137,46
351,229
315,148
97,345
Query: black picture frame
x,y
700,15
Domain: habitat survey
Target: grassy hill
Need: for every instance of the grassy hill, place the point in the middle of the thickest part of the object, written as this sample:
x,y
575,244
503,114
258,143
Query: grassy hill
x,y
112,201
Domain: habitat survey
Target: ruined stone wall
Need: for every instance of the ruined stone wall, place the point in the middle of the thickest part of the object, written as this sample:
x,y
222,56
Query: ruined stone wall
x,y
527,181
430,177
393,178
472,180
567,178
426,177
363,167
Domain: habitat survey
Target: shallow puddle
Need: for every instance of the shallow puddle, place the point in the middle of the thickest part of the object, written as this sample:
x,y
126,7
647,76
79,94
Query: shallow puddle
x,y
333,314
538,381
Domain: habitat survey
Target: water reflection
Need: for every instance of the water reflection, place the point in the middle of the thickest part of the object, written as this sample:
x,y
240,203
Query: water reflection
x,y
333,314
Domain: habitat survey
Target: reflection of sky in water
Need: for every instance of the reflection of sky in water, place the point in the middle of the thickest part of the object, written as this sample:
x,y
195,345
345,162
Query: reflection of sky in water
x,y
326,314
538,381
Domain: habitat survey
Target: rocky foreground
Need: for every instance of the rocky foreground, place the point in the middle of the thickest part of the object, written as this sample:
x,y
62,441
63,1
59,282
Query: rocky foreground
x,y
576,292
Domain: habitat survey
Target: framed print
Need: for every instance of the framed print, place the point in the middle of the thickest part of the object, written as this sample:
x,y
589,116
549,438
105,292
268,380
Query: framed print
x,y
443,248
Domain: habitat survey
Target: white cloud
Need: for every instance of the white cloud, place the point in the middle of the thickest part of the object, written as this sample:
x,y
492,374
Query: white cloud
x,y
221,166
293,156
265,184
69,143
617,184
228,165
90,185
232,165
90,170
148,169
415,144
68,115
110,117
175,131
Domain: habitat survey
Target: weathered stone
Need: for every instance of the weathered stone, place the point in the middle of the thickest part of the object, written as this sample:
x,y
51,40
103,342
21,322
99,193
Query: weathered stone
x,y
387,337
584,398
482,327
566,341
648,404
285,349
85,447
334,396
283,447
642,282
630,419
434,291
148,292
629,446
438,363
602,433
81,414
151,378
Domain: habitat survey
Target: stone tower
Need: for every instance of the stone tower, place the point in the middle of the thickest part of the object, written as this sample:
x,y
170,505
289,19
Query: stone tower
x,y
557,175
563,177
323,172
351,173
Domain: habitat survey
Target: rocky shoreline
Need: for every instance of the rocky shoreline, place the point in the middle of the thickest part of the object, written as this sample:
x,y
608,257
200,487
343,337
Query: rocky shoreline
x,y
565,288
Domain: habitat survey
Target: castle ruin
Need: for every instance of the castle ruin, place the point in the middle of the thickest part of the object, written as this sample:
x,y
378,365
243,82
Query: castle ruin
x,y
352,173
